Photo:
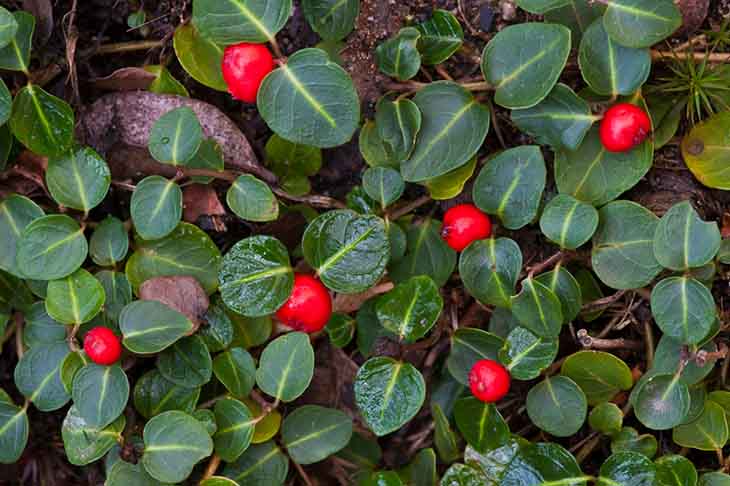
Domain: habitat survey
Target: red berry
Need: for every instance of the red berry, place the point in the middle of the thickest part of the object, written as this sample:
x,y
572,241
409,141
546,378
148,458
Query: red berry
x,y
489,380
102,346
244,67
309,306
624,126
463,224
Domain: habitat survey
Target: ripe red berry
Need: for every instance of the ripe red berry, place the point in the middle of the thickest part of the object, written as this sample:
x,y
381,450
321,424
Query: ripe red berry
x,y
102,346
244,67
463,224
489,380
309,306
624,126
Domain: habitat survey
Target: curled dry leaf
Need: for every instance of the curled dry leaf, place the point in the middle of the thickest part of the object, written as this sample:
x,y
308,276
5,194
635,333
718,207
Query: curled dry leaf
x,y
202,200
694,13
126,79
182,293
126,118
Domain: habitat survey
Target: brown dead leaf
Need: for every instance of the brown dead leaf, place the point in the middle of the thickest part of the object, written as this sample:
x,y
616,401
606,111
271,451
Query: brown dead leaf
x,y
202,200
182,293
126,118
346,303
125,79
42,10
694,13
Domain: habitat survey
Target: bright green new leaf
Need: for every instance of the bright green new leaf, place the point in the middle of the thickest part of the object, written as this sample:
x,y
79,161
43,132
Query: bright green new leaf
x,y
441,36
199,56
42,122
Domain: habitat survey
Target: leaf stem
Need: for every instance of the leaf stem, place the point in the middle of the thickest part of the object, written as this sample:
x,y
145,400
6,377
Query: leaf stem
x,y
215,461
18,317
407,208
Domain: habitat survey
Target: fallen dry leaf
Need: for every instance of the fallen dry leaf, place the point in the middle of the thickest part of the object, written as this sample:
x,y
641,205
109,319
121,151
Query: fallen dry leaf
x,y
202,200
182,293
125,79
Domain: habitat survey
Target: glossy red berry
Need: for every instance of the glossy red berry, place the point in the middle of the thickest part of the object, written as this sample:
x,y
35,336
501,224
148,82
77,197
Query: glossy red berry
x,y
309,306
463,224
244,67
102,346
624,126
489,381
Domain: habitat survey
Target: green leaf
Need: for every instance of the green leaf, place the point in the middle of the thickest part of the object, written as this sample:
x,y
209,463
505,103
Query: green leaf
x,y
666,114
199,56
234,21
100,394
156,207
218,334
256,277
373,148
577,15
176,136
40,328
383,184
209,156
568,222
310,100
293,162
218,481
85,443
481,424
529,465
421,471
261,465
362,451
286,366
682,240
525,355
149,326
348,251
441,36
623,246
489,270
510,185
538,309
312,433
541,6
252,200
705,149
562,283
118,293
188,250
600,375
109,243
451,184
606,418
558,406
78,179
426,254
15,54
154,394
641,23
453,127
630,440
51,247
610,68
662,402
13,427
683,309
560,120
675,470
8,27
388,393
249,332
16,213
331,19
165,82
523,62
398,122
174,442
6,106
235,428
398,57
42,122
125,473
236,369
7,142
714,479
444,438
697,398
75,299
592,174
340,329
38,376
186,363
667,356
707,433
411,309
469,346
627,469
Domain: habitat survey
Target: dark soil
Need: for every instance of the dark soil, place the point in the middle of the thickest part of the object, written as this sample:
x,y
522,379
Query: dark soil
x,y
101,22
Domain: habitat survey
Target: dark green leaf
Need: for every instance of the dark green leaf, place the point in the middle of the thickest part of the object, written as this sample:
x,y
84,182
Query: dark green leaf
x,y
682,240
331,19
286,366
426,254
75,299
51,247
310,100
176,136
510,185
256,277
348,251
42,122
40,328
100,394
118,293
261,465
235,428
606,418
249,332
78,179
218,334
234,21
153,394
714,479
6,104
469,346
373,148
675,470
641,23
38,376
13,429
16,213
236,369
383,184
562,283
125,474
421,471
411,309
667,356
186,363
312,433
558,406
489,270
600,375
568,222
15,54
398,57
109,243
362,451
149,326
453,127
481,424
156,207
388,393
538,309
441,36
252,200
199,56
85,443
683,309
8,27
709,432
628,469
526,355
340,329
577,15
398,122
630,440
210,157
662,402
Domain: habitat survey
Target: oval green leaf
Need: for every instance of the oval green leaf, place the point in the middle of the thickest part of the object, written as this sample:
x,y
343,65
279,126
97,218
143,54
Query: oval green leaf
x,y
16,213
312,433
641,23
469,346
411,309
199,56
682,240
156,207
42,122
441,36
154,394
149,326
526,355
261,465
236,369
538,309
186,363
662,402
489,270
558,406
85,443
14,429
109,243
100,394
176,136
78,179
38,376
481,424
398,57
251,199
683,309
286,366
75,299
235,428
51,247
331,19
234,21
600,375
426,254
568,222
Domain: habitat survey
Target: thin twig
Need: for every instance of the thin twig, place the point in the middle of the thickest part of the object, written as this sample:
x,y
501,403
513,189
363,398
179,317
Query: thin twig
x,y
118,47
712,57
303,474
18,317
213,464
71,338
591,342
407,208
544,265
602,302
